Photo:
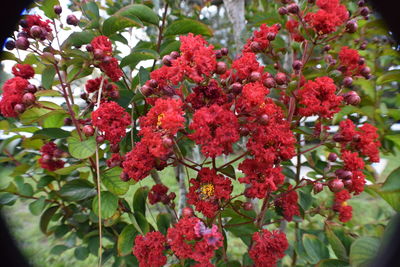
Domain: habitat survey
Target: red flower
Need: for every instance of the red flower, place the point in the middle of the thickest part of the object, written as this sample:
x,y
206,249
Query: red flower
x,y
318,98
244,66
340,205
268,247
111,119
368,144
102,43
215,129
23,70
261,37
158,193
115,160
207,96
288,203
13,90
354,164
49,159
36,20
207,190
138,162
293,27
345,213
149,249
349,61
252,97
189,238
111,69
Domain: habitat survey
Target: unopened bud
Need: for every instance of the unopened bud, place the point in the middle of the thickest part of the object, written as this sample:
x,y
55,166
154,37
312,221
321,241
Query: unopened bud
x,y
166,60
293,8
221,67
335,185
332,157
347,81
255,76
352,98
351,26
28,99
280,78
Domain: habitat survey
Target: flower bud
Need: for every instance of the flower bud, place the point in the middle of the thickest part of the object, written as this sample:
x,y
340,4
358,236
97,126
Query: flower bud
x,y
282,11
98,54
28,99
31,88
361,61
327,48
107,59
335,185
23,23
146,90
221,67
67,121
244,131
114,148
72,20
124,176
297,65
269,82
10,45
338,137
153,83
255,76
271,36
174,54
351,26
89,48
115,94
293,8
318,187
187,212
166,60
218,54
19,108
46,158
264,119
361,3
224,51
332,157
36,31
364,11
348,183
57,9
343,174
247,206
167,142
365,71
84,96
22,43
255,47
363,46
347,81
280,78
100,139
88,130
236,88
352,98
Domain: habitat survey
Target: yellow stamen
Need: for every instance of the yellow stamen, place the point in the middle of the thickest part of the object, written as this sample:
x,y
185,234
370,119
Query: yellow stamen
x,y
159,118
207,190
344,203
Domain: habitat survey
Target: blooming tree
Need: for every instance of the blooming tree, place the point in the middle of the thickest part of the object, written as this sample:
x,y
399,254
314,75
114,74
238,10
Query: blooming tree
x,y
236,129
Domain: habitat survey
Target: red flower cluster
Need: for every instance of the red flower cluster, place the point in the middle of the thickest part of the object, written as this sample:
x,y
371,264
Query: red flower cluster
x,y
138,162
350,63
149,249
102,49
330,15
190,238
207,190
50,157
112,120
340,205
215,129
268,247
36,20
115,160
355,165
93,85
261,39
207,95
293,27
23,70
13,91
252,98
243,67
196,61
158,193
318,98
287,202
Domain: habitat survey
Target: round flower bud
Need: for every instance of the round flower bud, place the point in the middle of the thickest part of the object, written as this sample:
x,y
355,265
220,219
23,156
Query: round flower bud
x,y
124,176
318,187
269,82
276,66
282,11
166,60
218,54
67,121
361,3
332,157
84,96
100,139
271,36
364,11
19,108
221,67
107,59
347,81
293,8
89,48
114,148
72,20
255,76
88,130
297,65
343,174
352,98
98,54
327,48
236,88
23,23
264,119
224,51
146,90
335,185
255,47
167,142
57,9
115,94
174,54
361,61
363,46
36,31
351,26
247,206
338,137
280,78
153,83
22,43
31,88
10,45
187,212
46,158
244,131
348,183
28,99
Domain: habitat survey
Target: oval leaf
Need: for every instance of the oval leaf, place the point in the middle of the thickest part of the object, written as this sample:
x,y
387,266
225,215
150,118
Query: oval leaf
x,y
77,190
45,218
315,249
184,26
81,149
363,250
109,204
113,182
126,239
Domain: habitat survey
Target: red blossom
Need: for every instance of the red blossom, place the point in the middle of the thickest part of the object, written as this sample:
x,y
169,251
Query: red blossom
x,y
207,96
261,37
102,43
349,61
149,248
115,160
288,203
268,247
36,20
252,97
158,193
23,70
111,69
207,190
138,162
244,66
345,213
215,129
293,27
13,90
340,205
111,119
49,159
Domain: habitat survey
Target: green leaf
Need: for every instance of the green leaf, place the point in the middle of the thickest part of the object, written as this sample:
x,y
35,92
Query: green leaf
x,y
55,120
57,250
306,198
315,249
77,190
125,240
78,38
390,76
48,76
392,182
48,8
171,46
47,93
109,204
81,253
81,149
112,181
229,171
44,181
46,217
7,198
332,263
5,55
51,133
37,206
144,75
117,23
185,26
363,250
163,222
336,244
69,169
141,221
139,200
135,57
394,138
